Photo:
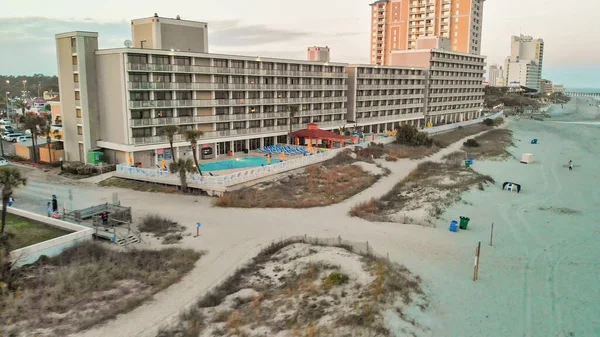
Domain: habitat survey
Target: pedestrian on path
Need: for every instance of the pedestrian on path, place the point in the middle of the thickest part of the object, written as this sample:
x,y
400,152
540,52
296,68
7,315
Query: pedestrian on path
x,y
49,209
11,201
54,203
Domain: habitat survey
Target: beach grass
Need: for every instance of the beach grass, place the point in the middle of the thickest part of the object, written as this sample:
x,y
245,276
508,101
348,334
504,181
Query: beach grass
x,y
26,232
318,185
86,285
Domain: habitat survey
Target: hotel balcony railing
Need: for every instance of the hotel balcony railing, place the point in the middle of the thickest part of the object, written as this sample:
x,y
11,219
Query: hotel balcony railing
x,y
395,117
456,94
454,86
474,101
449,60
227,102
457,69
152,67
386,97
458,78
228,118
390,86
392,76
446,111
231,86
75,67
76,85
389,107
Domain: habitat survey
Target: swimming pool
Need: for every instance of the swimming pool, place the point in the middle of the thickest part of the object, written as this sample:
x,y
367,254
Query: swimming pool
x,y
236,163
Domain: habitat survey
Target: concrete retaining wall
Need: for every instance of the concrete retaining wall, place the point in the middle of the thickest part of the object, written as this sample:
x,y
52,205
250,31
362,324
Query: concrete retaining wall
x,y
53,247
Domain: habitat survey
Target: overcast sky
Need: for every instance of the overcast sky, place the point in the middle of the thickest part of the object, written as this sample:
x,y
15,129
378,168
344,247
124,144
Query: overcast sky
x,y
284,29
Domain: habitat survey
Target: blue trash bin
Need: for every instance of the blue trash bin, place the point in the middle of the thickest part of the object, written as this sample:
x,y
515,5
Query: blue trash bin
x,y
454,226
471,161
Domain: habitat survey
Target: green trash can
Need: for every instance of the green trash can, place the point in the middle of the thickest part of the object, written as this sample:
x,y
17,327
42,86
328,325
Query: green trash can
x,y
467,163
464,222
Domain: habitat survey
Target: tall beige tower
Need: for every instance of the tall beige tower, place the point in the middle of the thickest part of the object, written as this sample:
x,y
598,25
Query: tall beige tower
x,y
318,54
166,33
397,24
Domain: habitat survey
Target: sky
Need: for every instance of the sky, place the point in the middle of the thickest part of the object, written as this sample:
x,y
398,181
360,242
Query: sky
x,y
281,28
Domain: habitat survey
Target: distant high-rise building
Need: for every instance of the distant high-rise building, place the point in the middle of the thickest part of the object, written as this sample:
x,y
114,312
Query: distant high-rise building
x,y
318,54
525,63
546,87
496,76
397,24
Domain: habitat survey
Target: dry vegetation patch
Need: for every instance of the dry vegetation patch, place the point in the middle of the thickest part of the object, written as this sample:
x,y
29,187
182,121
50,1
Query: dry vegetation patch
x,y
86,285
318,185
423,195
170,231
492,145
306,290
137,185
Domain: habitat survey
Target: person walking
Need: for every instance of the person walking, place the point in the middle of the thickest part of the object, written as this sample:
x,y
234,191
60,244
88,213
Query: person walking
x,y
570,165
49,209
54,203
11,201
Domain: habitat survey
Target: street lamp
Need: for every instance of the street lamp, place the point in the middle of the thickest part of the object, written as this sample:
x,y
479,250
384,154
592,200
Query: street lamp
x,y
24,88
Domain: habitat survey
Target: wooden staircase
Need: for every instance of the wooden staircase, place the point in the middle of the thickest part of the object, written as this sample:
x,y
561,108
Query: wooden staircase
x,y
127,240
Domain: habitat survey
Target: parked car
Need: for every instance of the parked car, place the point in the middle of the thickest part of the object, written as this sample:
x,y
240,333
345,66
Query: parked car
x,y
3,161
9,129
4,121
22,139
12,137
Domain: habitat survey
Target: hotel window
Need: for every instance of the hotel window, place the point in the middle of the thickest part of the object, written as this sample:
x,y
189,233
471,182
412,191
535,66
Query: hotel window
x,y
77,95
74,60
187,95
164,113
237,95
294,67
305,120
183,78
268,80
139,114
73,42
254,124
78,113
253,94
159,59
268,94
282,121
269,122
221,111
221,95
222,126
137,58
268,65
253,65
220,63
162,78
305,67
185,112
279,66
316,118
79,130
220,79
253,80
237,64
76,78
183,61
239,110
317,69
237,79
269,109
317,81
239,125
136,77
141,132
254,109
281,94
163,95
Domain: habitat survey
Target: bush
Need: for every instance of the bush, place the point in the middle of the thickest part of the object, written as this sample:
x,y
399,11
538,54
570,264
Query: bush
x,y
391,158
409,135
471,143
488,122
336,279
158,225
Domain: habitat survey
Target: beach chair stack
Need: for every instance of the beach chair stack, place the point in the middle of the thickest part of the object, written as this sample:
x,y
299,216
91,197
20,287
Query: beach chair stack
x,y
278,149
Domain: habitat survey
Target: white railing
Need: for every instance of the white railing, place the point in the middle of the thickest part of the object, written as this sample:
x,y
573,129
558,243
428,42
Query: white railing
x,y
448,127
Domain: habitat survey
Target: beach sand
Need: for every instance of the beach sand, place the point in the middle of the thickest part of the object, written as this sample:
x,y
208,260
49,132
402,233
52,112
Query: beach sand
x,y
542,275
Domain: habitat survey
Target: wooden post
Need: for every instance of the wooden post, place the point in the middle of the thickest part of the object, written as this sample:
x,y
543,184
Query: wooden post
x,y
492,235
476,264
197,231
339,240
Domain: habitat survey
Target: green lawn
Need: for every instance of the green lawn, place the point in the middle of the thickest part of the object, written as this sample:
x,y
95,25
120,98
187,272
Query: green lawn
x,y
28,232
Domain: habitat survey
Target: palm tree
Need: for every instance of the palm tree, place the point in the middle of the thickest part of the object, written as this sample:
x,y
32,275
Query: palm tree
x,y
192,137
182,167
293,110
45,130
33,123
10,178
21,104
170,131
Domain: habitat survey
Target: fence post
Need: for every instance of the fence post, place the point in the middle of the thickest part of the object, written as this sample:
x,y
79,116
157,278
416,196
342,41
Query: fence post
x,y
367,247
492,234
304,238
476,264
388,258
339,240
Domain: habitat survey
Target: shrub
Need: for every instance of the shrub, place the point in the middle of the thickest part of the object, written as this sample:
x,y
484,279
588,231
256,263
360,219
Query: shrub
x,y
488,122
336,279
391,158
158,225
409,135
471,143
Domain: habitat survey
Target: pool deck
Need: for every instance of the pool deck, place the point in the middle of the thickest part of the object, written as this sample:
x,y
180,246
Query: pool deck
x,y
239,155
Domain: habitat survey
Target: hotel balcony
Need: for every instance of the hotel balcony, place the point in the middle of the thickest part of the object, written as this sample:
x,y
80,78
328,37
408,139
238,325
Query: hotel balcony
x,y
228,118
173,68
389,107
390,118
230,86
390,86
392,76
458,69
181,103
387,97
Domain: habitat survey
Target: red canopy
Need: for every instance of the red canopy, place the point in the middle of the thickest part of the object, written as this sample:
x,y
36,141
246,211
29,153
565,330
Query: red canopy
x,y
314,132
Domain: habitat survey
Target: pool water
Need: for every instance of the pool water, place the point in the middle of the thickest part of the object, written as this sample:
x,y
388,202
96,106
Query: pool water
x,y
236,163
